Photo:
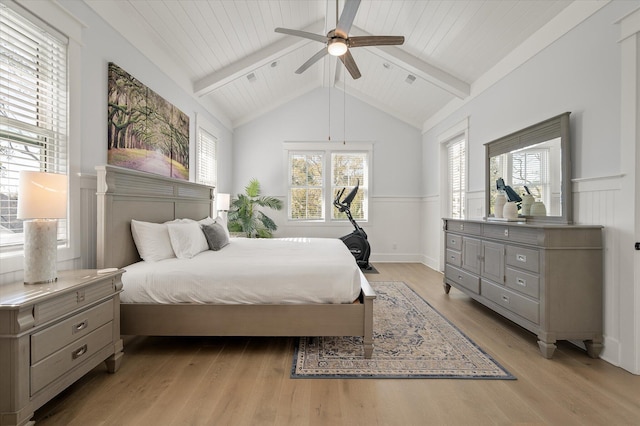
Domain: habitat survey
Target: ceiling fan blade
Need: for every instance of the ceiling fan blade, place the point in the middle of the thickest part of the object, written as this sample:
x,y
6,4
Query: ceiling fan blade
x,y
346,19
315,58
375,41
350,65
303,34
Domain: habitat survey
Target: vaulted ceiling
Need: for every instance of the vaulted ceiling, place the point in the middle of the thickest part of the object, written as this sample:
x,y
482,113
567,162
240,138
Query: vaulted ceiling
x,y
227,52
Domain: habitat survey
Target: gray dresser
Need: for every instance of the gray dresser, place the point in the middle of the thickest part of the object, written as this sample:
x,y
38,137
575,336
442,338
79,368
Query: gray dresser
x,y
52,334
545,277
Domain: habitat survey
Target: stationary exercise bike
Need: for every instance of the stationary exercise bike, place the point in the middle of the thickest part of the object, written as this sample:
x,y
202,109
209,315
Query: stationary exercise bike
x,y
356,241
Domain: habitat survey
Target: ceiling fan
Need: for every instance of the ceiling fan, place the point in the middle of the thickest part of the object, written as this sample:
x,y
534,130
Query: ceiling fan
x,y
337,41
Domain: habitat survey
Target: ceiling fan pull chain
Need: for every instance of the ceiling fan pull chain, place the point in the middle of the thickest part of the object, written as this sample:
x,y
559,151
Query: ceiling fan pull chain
x,y
344,109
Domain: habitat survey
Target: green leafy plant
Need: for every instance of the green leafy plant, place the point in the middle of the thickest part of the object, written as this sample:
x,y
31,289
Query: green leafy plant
x,y
245,216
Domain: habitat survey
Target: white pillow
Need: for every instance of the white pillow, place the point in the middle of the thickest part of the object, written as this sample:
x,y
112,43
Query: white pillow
x,y
187,239
152,240
206,221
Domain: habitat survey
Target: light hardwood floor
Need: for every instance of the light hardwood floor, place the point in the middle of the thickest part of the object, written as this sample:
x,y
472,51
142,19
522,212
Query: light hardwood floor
x,y
245,381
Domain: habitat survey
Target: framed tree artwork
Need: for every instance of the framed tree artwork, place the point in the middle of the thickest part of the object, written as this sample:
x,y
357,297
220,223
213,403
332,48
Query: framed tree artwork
x,y
146,132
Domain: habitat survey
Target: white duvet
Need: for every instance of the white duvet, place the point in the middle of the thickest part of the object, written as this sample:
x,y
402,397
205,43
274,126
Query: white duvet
x,y
250,271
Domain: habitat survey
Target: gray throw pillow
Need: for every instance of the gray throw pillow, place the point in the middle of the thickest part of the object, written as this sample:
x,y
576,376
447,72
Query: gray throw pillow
x,y
215,235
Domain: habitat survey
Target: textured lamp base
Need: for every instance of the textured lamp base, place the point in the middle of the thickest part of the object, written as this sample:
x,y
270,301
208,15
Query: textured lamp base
x,y
40,251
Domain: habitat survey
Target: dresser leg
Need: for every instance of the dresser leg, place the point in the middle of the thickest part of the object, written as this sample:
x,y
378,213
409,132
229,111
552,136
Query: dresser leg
x,y
114,361
547,349
447,288
594,348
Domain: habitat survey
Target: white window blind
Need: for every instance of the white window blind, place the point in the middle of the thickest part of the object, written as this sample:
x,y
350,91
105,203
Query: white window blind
x,y
306,188
347,170
33,112
207,170
457,175
530,168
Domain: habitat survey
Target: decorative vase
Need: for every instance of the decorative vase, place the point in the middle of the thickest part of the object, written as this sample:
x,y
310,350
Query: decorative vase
x,y
499,205
538,209
527,201
510,210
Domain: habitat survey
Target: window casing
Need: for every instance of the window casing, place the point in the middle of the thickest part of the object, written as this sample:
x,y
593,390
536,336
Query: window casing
x,y
457,163
206,159
316,171
33,113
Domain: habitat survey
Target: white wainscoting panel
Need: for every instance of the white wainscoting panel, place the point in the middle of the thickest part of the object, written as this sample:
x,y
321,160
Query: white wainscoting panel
x,y
394,228
594,203
88,231
432,235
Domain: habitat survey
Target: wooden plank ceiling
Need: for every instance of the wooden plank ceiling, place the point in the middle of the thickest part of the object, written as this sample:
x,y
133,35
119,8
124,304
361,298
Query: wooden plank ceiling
x,y
216,45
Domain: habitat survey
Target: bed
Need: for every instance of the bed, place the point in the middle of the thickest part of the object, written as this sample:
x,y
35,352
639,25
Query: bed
x,y
124,195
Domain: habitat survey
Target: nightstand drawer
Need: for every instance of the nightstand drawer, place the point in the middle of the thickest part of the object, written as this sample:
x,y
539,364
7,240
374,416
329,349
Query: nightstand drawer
x,y
57,364
66,303
57,336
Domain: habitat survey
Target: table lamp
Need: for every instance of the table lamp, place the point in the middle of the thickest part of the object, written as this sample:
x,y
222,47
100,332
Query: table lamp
x,y
42,200
222,202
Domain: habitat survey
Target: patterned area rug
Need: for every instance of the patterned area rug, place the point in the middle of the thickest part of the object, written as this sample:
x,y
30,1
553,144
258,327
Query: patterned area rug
x,y
411,340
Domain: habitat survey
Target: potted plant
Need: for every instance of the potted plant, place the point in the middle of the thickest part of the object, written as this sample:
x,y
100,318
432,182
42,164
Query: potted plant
x,y
245,216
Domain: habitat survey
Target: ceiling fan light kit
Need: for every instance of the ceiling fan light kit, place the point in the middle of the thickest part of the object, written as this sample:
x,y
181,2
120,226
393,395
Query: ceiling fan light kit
x,y
337,41
337,47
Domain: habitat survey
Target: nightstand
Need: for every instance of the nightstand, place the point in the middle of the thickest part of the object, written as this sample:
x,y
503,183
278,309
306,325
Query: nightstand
x,y
53,334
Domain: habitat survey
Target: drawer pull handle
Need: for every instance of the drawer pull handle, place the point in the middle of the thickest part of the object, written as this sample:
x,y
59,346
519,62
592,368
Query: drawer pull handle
x,y
460,277
521,257
505,298
80,326
453,242
521,282
506,232
79,352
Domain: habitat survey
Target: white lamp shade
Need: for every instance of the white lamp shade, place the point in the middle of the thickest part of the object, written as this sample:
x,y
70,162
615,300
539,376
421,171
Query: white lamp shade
x,y
223,202
337,47
42,195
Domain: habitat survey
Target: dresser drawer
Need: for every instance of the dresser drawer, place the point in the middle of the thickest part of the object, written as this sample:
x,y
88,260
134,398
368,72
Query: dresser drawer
x,y
56,307
58,363
514,302
462,278
454,257
465,227
523,258
50,340
454,241
524,282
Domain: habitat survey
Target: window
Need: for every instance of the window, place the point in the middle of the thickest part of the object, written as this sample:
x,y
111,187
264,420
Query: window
x,y
528,168
33,112
306,189
206,160
348,170
456,177
317,171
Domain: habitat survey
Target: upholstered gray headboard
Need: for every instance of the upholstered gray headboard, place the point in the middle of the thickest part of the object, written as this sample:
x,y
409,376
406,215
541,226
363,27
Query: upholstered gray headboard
x,y
125,194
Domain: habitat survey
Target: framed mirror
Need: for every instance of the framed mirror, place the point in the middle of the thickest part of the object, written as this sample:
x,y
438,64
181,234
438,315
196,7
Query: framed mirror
x,y
532,167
